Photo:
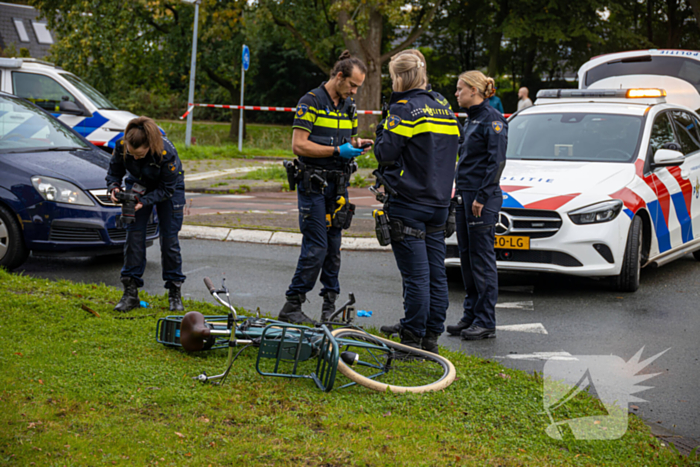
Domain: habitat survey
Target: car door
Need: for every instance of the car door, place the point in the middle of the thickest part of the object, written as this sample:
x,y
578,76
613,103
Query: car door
x,y
688,174
47,93
664,186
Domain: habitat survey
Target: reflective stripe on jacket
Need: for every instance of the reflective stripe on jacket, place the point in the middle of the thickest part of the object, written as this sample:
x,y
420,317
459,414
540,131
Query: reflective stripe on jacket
x,y
417,147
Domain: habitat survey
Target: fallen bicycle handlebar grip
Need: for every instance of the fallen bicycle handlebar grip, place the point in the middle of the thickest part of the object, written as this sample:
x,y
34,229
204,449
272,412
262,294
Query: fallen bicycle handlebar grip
x,y
195,333
210,285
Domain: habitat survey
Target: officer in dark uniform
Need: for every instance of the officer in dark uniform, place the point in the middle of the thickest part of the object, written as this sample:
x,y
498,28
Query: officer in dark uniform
x,y
325,140
417,147
150,160
482,158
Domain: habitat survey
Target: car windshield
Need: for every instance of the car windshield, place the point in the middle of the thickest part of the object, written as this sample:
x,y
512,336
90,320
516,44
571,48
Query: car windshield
x,y
95,96
24,128
586,137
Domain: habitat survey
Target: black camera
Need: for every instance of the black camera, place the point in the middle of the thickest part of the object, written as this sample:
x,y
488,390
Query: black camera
x,y
129,199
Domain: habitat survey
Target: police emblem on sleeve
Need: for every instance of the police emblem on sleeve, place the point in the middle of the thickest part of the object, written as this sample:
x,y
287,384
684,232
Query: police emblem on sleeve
x,y
497,126
171,167
393,121
301,110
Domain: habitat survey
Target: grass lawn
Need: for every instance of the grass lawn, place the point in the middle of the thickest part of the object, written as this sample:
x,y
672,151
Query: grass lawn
x,y
81,389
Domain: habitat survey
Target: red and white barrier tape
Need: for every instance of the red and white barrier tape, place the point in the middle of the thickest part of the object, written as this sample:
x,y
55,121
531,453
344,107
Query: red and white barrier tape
x,y
284,109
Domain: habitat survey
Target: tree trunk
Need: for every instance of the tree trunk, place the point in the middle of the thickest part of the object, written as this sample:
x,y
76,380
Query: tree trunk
x,y
695,5
495,39
650,22
675,27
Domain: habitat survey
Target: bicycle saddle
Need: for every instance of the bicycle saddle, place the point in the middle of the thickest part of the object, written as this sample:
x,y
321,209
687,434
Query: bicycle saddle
x,y
195,332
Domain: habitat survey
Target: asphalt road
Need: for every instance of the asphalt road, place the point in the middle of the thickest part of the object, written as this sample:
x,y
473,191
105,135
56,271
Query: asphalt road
x,y
579,316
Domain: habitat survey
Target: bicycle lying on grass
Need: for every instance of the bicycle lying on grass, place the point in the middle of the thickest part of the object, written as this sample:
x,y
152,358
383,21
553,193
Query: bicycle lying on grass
x,y
317,353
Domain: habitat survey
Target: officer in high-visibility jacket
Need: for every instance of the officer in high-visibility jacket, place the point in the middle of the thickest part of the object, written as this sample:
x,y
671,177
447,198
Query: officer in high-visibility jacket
x,y
149,159
325,140
482,158
417,148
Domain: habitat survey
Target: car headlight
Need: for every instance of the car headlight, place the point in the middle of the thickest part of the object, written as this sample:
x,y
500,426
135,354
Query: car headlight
x,y
60,191
597,213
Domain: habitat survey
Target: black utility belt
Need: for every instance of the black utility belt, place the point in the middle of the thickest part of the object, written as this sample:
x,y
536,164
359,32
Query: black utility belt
x,y
388,230
314,178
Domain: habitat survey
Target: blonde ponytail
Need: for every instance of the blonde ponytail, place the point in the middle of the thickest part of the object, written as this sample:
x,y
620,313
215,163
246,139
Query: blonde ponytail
x,y
408,71
484,85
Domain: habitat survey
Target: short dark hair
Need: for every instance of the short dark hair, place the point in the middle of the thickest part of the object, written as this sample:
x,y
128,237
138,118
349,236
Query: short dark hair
x,y
346,63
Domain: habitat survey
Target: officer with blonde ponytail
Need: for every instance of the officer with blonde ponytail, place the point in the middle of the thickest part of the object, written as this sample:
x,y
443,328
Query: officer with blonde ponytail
x,y
416,148
482,158
149,159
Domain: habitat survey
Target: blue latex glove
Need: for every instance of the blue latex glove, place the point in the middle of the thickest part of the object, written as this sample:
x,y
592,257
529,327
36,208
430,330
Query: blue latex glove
x,y
348,151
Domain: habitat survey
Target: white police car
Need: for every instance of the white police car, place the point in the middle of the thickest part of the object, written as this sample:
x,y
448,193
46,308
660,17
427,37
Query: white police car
x,y
66,97
599,183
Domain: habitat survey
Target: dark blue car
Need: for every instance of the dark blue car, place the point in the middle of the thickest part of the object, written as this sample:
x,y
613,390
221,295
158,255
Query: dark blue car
x,y
53,198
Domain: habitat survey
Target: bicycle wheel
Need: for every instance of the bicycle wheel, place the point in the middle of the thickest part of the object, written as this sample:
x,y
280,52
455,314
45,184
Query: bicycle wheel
x,y
385,365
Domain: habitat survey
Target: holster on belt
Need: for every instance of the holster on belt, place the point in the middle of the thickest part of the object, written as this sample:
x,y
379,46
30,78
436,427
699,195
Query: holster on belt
x,y
451,225
293,173
340,214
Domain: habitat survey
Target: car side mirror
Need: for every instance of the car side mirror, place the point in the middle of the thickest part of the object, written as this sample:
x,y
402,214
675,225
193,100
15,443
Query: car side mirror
x,y
668,158
68,107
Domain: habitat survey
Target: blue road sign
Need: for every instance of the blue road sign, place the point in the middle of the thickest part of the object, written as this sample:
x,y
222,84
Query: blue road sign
x,y
246,57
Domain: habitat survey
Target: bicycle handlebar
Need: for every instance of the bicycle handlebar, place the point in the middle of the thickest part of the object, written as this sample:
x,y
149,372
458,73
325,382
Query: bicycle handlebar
x,y
210,285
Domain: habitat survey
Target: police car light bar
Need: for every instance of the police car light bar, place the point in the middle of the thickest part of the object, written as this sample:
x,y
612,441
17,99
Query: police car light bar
x,y
597,93
646,93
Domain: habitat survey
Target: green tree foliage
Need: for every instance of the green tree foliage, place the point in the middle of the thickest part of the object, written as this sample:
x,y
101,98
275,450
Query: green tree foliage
x,y
139,55
372,30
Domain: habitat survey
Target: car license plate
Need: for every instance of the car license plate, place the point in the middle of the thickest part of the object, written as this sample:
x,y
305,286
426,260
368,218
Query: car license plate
x,y
510,242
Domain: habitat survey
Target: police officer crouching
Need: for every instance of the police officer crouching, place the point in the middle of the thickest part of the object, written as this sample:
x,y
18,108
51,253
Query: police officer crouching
x,y
482,158
325,141
153,169
416,148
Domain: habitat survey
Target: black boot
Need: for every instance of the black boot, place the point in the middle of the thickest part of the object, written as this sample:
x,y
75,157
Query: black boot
x,y
328,306
457,329
430,341
474,332
130,299
175,298
291,311
390,330
409,339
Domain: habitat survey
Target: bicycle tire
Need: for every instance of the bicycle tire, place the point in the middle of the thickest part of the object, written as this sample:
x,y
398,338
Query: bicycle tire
x,y
413,370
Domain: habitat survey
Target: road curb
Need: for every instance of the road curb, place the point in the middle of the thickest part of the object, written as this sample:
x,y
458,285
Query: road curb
x,y
225,234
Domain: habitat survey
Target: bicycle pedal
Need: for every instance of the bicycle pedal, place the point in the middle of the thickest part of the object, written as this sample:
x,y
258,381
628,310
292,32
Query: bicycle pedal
x,y
203,377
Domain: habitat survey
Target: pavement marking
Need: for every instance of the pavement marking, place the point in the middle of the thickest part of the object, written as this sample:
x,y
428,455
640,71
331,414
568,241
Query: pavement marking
x,y
364,197
529,306
234,196
196,270
218,173
540,356
535,328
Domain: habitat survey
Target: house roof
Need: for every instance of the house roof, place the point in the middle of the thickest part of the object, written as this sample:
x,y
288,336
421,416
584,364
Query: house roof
x,y
20,25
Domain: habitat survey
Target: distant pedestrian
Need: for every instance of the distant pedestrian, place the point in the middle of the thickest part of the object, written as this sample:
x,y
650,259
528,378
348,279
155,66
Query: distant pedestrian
x,y
496,103
523,100
482,158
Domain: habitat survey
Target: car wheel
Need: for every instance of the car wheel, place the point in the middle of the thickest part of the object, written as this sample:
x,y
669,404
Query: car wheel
x,y
628,280
13,252
696,254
